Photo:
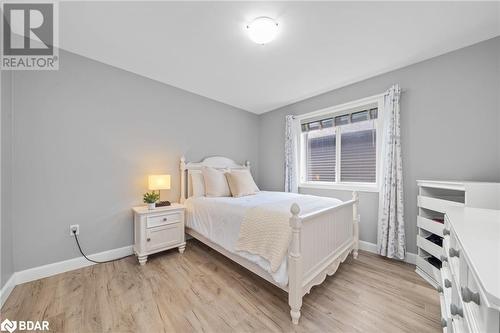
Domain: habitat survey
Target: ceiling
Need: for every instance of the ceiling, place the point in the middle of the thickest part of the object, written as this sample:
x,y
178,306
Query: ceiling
x,y
202,47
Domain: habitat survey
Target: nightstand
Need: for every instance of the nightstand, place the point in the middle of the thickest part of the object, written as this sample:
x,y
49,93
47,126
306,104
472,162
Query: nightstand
x,y
158,230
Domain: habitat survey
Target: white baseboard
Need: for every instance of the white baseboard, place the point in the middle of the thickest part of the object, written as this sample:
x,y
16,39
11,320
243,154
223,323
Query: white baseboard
x,y
411,258
41,272
7,289
367,246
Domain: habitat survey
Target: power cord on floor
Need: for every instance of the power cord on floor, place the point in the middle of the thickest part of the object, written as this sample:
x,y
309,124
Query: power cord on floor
x,y
91,260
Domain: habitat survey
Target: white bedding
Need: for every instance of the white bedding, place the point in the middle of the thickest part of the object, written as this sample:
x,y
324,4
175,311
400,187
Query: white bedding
x,y
219,219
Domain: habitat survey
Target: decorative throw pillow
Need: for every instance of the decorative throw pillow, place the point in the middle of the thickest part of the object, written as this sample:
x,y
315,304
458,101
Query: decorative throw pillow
x,y
197,184
215,182
241,182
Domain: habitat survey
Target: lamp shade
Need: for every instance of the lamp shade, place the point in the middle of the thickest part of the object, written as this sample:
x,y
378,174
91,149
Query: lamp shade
x,y
159,182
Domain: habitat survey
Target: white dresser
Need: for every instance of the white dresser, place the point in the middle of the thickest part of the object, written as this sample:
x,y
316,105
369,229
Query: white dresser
x,y
434,197
470,273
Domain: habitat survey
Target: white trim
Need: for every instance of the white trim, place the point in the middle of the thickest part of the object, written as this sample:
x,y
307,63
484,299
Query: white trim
x,y
367,246
7,289
339,109
40,272
450,185
341,186
411,258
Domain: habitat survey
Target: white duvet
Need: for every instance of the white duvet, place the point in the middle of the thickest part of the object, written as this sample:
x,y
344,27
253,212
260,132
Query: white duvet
x,y
219,219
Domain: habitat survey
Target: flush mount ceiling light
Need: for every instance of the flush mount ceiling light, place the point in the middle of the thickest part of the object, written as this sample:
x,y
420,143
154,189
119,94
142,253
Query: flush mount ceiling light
x,y
262,30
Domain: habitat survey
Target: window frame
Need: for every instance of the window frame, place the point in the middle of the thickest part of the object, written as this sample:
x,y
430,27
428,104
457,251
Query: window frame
x,y
334,111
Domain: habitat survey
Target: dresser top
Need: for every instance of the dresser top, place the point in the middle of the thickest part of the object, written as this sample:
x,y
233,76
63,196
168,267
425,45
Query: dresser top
x,y
145,210
478,231
458,185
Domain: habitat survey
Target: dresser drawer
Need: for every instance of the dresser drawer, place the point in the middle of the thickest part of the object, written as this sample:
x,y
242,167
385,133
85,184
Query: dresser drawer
x,y
430,225
480,317
429,269
163,219
455,257
435,204
429,246
446,249
459,326
164,236
446,285
457,314
445,320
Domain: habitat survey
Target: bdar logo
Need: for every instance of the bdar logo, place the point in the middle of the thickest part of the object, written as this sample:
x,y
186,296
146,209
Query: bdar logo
x,y
24,325
8,325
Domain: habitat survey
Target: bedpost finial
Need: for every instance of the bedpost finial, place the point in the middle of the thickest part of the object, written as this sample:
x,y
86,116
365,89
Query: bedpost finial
x,y
247,164
295,209
355,195
182,165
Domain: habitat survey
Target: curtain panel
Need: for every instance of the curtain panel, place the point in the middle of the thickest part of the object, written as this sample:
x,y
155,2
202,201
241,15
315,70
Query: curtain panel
x,y
291,154
391,240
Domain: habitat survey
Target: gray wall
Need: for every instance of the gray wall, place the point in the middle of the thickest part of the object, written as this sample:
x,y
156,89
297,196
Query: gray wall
x,y
450,126
6,226
85,139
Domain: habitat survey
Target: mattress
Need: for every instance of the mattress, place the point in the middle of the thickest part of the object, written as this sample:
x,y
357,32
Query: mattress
x,y
219,219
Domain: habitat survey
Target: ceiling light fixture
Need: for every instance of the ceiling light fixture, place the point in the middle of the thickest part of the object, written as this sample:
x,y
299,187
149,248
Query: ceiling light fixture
x,y
262,30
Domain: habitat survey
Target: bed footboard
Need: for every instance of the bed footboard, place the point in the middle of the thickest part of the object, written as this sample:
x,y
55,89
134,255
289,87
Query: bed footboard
x,y
320,242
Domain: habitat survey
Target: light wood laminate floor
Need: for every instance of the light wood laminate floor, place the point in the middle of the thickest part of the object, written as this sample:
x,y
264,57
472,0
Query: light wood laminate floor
x,y
203,291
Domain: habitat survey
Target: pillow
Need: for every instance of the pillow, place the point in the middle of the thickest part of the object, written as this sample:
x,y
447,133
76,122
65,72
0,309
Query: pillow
x,y
215,183
249,174
197,184
241,183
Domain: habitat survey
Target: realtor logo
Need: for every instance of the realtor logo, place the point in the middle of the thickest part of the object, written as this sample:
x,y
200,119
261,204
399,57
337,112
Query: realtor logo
x,y
8,325
29,35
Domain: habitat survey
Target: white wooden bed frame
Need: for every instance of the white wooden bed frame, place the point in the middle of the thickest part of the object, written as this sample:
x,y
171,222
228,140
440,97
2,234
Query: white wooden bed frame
x,y
321,240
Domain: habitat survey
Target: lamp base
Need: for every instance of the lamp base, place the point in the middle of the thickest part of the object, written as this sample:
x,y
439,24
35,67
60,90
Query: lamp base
x,y
162,203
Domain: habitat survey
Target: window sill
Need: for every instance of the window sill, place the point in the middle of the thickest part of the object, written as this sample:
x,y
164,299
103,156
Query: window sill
x,y
341,187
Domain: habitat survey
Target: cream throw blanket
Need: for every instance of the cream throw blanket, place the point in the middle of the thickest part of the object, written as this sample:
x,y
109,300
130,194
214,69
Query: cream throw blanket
x,y
266,230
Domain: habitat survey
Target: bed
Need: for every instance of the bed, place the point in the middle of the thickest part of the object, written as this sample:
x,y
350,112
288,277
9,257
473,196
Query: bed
x,y
324,231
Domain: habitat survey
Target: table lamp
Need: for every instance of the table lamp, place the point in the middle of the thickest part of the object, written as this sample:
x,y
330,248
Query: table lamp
x,y
160,182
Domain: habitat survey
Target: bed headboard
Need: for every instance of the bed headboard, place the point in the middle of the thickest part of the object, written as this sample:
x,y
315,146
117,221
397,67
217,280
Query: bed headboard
x,y
217,162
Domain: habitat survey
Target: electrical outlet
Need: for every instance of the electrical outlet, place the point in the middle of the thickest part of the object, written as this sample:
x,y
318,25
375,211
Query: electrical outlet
x,y
74,227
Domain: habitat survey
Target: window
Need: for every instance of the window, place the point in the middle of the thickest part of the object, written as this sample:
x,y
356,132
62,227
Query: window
x,y
321,151
338,148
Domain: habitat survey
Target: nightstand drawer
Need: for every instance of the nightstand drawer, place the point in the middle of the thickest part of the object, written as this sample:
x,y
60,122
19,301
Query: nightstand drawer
x,y
164,236
163,219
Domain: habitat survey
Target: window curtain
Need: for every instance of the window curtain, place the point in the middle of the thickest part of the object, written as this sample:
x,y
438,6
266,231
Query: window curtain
x,y
291,158
391,229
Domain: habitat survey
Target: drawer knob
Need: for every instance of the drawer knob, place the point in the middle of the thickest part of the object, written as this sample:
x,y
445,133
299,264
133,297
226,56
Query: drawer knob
x,y
447,283
454,253
164,219
440,289
456,311
446,232
469,296
443,258
149,239
443,322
